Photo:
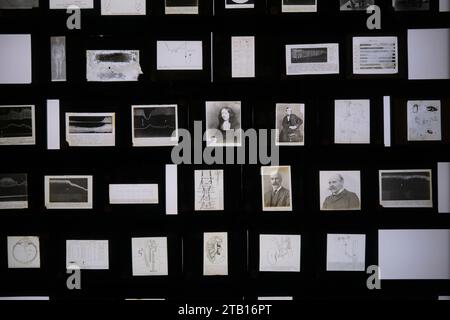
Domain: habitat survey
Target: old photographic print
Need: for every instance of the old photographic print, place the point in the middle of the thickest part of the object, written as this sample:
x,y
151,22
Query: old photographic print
x,y
290,124
13,191
411,5
68,192
223,124
356,5
239,4
90,129
340,190
303,59
424,120
298,5
17,125
276,188
181,6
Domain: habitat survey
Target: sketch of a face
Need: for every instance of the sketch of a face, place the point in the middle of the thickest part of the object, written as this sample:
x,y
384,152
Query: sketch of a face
x,y
215,252
25,251
335,183
276,179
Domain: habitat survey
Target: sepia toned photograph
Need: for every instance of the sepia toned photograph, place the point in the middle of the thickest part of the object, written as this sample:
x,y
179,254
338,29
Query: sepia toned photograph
x,y
303,59
352,121
298,6
154,125
356,5
340,190
90,129
112,65
424,120
276,188
279,253
290,124
68,192
411,5
223,124
58,58
239,4
215,254
13,191
209,191
17,125
23,253
406,188
181,6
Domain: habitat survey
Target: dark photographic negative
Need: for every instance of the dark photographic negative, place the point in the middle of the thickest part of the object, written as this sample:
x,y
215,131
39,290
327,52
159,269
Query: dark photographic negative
x,y
356,5
68,190
13,191
181,3
16,122
411,5
18,4
299,2
90,124
309,55
406,188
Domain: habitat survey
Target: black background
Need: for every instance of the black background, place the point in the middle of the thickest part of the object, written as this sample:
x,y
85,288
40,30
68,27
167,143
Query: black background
x,y
243,213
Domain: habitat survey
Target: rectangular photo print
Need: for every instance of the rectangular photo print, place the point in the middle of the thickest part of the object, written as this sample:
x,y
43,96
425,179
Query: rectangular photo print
x,y
298,6
279,253
346,252
112,65
68,192
310,59
179,55
90,129
17,125
411,5
209,191
87,254
239,4
424,120
290,124
406,188
356,5
276,188
149,256
181,6
154,125
340,190
58,58
375,55
13,191
352,121
23,253
223,124
123,8
215,254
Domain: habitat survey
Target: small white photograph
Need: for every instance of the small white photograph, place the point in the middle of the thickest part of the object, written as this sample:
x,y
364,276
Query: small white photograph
x,y
209,191
346,252
68,192
375,55
17,125
279,253
149,256
179,55
243,57
340,190
58,58
15,68
154,125
356,5
123,8
290,124
13,191
352,121
23,253
181,6
64,4
215,254
87,254
133,194
90,129
406,188
223,124
424,120
304,59
112,65
239,4
276,188
298,6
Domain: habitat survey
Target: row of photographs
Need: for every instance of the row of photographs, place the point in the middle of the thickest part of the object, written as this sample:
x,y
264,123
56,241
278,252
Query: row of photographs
x,y
157,125
339,190
139,7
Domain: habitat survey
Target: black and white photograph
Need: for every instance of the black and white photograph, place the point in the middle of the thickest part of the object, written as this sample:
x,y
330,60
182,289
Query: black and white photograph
x,y
290,124
17,125
13,191
68,192
90,129
340,190
298,6
303,59
223,124
19,4
154,125
411,5
239,4
276,188
181,6
424,120
346,252
112,65
406,188
356,5
375,55
58,57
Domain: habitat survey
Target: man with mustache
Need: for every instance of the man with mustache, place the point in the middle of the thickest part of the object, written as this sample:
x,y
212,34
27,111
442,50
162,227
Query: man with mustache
x,y
340,198
279,196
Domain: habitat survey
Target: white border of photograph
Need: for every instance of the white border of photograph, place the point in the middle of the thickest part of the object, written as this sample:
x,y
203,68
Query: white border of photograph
x,y
281,106
267,171
91,139
155,141
298,8
181,9
68,205
406,203
13,141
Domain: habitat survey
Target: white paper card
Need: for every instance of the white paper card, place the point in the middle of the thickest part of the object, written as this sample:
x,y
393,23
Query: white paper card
x,y
64,4
149,256
424,120
179,55
53,138
346,252
242,57
15,58
352,121
444,5
23,252
279,253
87,254
444,187
123,7
171,189
133,193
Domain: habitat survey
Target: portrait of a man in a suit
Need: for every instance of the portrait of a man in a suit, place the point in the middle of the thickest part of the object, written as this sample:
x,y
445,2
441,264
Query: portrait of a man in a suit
x,y
340,197
277,193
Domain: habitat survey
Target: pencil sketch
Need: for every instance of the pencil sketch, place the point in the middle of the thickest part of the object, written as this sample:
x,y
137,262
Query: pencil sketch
x,y
209,190
112,65
179,55
181,6
90,129
125,8
279,253
58,57
17,125
346,252
424,120
242,57
68,192
149,256
23,252
352,121
215,257
340,190
13,191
